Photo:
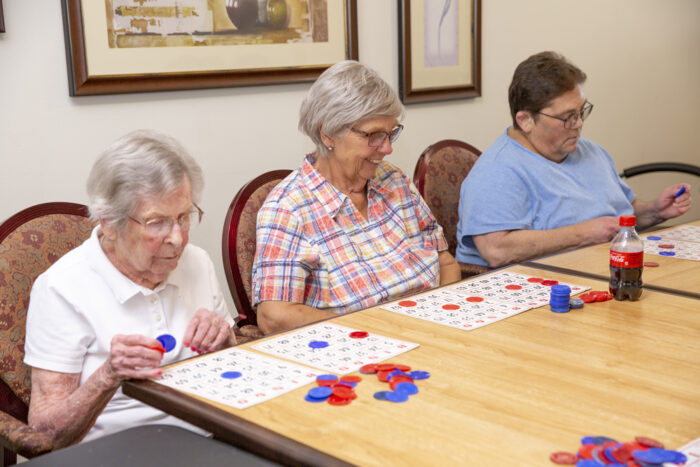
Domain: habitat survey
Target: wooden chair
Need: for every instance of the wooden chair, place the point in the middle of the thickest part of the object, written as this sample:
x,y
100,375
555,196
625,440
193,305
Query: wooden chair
x,y
438,176
238,245
30,242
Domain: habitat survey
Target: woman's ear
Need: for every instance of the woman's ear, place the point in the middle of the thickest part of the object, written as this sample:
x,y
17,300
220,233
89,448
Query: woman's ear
x,y
110,231
525,120
327,141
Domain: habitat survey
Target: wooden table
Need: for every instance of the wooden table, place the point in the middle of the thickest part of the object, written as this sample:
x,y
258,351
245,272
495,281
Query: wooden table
x,y
510,393
673,275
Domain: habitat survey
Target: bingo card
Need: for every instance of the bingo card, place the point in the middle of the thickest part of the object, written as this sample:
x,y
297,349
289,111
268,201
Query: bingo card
x,y
485,300
237,377
334,348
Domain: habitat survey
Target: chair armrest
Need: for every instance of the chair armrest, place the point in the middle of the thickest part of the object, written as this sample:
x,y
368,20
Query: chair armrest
x,y
21,438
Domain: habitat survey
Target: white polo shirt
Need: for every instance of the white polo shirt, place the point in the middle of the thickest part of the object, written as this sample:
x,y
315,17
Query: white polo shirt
x,y
82,301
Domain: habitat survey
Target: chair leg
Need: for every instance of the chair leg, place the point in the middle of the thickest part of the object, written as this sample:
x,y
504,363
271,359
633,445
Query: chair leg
x,y
8,457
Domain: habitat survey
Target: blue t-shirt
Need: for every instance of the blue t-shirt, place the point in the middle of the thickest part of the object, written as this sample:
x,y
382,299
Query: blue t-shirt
x,y
513,188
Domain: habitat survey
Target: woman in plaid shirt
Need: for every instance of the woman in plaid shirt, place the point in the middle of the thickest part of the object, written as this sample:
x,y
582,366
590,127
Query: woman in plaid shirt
x,y
346,230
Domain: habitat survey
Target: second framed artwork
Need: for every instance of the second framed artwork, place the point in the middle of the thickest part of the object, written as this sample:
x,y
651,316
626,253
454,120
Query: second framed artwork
x,y
121,46
439,50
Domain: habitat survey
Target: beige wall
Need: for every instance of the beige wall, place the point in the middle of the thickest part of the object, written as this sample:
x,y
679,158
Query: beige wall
x,y
641,57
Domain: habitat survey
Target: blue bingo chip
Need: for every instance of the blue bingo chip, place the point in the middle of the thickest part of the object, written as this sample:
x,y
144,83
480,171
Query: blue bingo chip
x,y
394,396
653,237
406,388
417,374
328,377
588,440
588,463
167,341
320,392
576,303
231,374
380,395
667,253
308,398
318,344
657,456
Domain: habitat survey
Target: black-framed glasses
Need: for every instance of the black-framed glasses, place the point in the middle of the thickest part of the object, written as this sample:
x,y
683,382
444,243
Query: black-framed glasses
x,y
162,226
572,120
377,138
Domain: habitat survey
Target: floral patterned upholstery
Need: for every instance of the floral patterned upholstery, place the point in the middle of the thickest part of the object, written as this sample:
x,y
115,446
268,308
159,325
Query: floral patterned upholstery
x,y
30,242
439,174
239,245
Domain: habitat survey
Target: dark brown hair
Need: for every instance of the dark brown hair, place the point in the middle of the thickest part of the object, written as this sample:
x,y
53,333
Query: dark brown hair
x,y
540,79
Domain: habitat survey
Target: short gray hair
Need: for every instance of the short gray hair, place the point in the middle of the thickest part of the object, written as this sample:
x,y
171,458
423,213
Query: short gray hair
x,y
344,94
140,164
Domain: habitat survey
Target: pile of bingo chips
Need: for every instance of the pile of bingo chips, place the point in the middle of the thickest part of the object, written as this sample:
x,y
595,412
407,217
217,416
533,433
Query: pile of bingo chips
x,y
598,451
340,391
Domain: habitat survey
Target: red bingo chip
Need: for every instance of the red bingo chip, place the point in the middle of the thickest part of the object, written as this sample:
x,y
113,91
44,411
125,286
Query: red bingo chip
x,y
359,334
386,367
667,246
345,392
404,368
587,297
563,458
475,299
549,283
369,369
514,287
350,379
335,400
535,280
651,264
450,306
407,303
652,443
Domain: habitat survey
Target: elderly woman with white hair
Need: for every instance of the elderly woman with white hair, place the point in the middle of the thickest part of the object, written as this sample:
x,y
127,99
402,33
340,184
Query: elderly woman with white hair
x,y
346,230
131,298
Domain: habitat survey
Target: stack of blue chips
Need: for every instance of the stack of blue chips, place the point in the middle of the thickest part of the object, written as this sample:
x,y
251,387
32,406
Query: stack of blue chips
x,y
559,298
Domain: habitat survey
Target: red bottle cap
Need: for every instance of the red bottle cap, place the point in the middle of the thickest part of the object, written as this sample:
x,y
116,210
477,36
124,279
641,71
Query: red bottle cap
x,y
628,221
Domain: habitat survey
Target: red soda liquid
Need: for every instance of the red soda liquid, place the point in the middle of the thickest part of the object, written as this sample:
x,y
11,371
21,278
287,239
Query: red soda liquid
x,y
625,283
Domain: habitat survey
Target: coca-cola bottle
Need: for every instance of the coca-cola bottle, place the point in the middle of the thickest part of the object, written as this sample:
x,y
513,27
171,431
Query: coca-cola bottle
x,y
626,261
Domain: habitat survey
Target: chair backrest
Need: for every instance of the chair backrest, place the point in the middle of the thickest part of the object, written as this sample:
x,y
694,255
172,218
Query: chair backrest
x,y
30,242
238,241
438,176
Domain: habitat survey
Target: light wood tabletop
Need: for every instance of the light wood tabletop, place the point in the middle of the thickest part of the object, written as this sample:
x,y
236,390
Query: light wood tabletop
x,y
509,393
672,275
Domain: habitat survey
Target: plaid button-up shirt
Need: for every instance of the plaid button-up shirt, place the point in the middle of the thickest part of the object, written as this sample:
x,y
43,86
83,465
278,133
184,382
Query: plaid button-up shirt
x,y
314,247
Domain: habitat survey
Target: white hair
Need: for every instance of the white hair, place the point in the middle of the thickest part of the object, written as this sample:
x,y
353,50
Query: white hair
x,y
343,95
140,164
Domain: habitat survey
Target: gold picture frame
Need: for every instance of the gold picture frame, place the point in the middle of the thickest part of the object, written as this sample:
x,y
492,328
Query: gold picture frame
x,y
439,50
124,46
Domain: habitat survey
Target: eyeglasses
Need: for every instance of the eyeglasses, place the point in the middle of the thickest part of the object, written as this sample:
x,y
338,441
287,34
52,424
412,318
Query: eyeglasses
x,y
162,226
572,120
377,138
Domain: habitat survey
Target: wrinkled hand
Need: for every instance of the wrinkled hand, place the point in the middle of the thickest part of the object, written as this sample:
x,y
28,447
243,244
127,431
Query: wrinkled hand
x,y
601,229
134,356
207,332
668,206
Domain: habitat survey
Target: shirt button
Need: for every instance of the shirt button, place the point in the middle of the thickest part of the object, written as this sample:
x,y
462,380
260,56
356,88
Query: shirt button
x,y
158,318
154,300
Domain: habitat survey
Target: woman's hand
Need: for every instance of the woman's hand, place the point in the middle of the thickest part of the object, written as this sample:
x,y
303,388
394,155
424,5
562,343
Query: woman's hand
x,y
207,332
134,356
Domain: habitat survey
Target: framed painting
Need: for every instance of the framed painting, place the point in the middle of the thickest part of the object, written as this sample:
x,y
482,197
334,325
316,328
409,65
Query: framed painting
x,y
439,50
122,46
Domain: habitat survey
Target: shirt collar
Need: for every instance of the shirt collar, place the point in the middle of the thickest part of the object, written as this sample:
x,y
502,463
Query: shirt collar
x,y
329,196
122,287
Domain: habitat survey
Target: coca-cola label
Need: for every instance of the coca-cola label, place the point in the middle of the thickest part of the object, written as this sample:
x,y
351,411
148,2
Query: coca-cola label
x,y
620,259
